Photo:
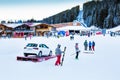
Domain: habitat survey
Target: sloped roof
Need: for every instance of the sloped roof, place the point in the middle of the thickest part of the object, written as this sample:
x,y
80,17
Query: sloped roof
x,y
13,25
32,24
116,29
64,24
73,28
5,26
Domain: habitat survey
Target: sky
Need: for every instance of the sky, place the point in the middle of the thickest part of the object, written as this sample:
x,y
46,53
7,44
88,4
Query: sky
x,y
36,9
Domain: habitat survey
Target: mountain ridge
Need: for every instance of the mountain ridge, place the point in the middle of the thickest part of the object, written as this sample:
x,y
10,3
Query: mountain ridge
x,y
103,14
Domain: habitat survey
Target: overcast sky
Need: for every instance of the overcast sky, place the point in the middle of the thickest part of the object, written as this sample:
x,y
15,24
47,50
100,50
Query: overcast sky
x,y
37,9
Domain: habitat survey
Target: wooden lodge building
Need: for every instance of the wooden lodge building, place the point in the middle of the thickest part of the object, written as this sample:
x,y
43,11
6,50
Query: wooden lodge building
x,y
70,24
36,29
43,29
23,30
5,31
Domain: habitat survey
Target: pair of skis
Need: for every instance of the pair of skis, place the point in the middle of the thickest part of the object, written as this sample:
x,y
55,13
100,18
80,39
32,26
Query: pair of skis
x,y
63,56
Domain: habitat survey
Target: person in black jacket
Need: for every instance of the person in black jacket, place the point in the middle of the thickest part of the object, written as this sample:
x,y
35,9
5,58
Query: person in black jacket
x,y
85,45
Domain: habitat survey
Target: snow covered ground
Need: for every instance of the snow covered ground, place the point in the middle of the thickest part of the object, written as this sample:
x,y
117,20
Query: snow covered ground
x,y
104,64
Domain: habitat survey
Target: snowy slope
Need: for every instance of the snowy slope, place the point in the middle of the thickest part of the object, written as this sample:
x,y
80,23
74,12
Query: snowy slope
x,y
103,65
80,18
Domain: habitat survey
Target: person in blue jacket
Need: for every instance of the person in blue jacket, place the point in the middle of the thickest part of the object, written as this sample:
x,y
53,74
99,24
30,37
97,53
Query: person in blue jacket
x,y
90,45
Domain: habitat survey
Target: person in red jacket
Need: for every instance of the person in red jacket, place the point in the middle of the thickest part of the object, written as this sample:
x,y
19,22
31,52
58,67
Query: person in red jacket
x,y
93,45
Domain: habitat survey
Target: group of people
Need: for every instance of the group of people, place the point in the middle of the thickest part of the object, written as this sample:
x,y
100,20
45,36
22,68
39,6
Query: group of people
x,y
89,44
59,52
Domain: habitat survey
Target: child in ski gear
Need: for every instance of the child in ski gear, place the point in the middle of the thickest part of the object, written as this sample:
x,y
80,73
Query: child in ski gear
x,y
77,50
85,45
93,45
58,53
90,44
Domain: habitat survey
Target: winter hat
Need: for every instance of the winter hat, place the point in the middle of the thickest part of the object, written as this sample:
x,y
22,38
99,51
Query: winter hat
x,y
59,45
76,43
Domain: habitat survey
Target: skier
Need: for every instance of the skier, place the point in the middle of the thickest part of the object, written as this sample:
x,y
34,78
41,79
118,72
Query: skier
x,y
88,34
85,44
90,45
93,45
58,53
77,50
25,37
30,36
72,37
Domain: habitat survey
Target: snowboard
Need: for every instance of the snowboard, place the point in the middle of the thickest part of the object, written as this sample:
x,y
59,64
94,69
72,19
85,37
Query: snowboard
x,y
63,56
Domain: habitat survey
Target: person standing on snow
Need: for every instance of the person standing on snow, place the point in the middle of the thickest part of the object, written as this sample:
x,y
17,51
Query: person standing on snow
x,y
90,45
85,45
25,37
93,45
77,50
58,53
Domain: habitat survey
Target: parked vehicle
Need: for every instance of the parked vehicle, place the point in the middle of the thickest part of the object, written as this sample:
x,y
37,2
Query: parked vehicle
x,y
37,49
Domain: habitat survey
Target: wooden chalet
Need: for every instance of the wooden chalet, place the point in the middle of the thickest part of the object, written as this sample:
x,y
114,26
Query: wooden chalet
x,y
5,31
23,30
42,29
59,25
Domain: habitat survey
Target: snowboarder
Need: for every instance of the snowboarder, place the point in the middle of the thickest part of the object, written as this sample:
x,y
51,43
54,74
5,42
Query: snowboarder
x,y
93,45
58,53
85,44
77,50
90,45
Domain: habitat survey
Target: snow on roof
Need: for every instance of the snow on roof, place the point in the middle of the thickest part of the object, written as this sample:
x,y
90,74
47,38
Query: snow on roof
x,y
33,24
115,29
72,28
93,28
13,25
